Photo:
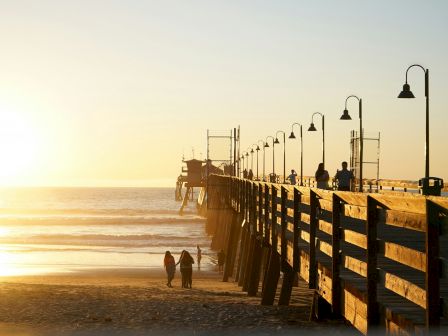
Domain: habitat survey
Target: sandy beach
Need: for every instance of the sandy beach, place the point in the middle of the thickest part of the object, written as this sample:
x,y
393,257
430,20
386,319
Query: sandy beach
x,y
138,302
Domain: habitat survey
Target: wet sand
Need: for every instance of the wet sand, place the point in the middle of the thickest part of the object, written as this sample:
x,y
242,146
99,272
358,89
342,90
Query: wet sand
x,y
138,302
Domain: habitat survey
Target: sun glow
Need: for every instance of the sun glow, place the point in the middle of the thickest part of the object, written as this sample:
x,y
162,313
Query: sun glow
x,y
19,146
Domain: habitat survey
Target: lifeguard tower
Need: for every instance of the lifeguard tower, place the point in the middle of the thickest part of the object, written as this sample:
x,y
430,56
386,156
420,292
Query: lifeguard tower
x,y
193,179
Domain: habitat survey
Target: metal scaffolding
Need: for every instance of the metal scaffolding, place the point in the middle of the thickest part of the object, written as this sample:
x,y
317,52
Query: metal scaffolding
x,y
371,157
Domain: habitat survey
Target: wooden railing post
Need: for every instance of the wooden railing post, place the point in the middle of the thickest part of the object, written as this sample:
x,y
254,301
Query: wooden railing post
x,y
260,208
266,231
314,204
432,276
297,215
284,197
288,271
372,263
274,230
336,256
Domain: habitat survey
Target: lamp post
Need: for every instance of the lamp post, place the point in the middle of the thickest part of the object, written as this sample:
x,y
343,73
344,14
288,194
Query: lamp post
x,y
266,145
293,136
312,128
247,161
284,152
242,164
346,116
258,149
252,159
407,93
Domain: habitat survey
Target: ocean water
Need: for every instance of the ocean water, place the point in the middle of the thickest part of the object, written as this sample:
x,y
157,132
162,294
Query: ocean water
x,y
51,230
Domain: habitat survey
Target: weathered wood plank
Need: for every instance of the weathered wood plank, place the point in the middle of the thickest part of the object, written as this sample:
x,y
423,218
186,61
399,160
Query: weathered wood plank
x,y
354,238
325,204
325,248
407,220
403,255
305,218
355,265
406,203
305,235
404,288
326,227
355,211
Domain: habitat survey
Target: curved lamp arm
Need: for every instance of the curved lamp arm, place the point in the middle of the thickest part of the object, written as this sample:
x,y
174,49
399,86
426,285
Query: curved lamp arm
x,y
271,138
312,117
276,134
426,76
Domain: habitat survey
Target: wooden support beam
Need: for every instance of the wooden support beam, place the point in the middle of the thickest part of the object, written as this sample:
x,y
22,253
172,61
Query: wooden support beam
x,y
273,240
249,262
336,256
266,233
244,234
372,263
231,249
296,236
271,280
257,259
287,284
314,204
432,278
243,263
260,208
284,252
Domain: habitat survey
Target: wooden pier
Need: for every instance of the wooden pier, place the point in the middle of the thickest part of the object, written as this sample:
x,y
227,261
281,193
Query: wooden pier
x,y
378,260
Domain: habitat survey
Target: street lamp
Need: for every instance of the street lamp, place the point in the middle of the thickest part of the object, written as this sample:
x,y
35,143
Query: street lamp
x,y
242,163
252,158
312,128
293,136
407,93
346,116
284,152
266,145
247,161
258,149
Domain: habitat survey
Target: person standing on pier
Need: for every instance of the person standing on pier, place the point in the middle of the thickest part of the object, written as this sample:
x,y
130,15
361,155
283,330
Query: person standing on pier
x,y
170,267
344,178
322,177
199,256
292,177
250,175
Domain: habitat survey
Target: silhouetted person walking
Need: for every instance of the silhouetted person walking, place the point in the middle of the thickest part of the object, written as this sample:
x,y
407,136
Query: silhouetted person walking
x,y
344,178
186,268
322,177
170,267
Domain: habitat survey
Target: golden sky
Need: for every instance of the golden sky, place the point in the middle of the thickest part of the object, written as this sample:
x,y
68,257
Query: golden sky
x,y
114,93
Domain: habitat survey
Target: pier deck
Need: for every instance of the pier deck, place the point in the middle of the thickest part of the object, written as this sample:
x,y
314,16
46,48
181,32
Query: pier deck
x,y
379,261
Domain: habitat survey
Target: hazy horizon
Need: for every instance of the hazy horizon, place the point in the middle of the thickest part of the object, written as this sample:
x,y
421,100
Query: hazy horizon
x,y
107,93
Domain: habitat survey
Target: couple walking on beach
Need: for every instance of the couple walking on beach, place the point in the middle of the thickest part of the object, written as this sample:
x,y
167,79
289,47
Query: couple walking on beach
x,y
186,268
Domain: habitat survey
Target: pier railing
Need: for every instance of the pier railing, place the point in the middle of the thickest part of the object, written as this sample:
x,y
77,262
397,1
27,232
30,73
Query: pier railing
x,y
379,260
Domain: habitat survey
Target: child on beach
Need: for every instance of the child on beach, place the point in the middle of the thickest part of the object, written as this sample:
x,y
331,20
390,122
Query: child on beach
x,y
186,268
199,256
170,267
